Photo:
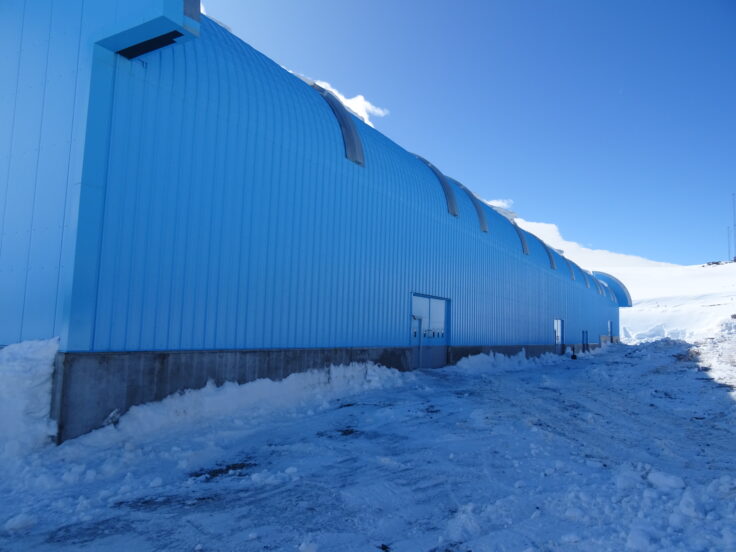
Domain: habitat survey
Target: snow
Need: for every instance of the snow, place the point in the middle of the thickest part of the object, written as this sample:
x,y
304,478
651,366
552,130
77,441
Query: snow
x,y
257,399
26,371
629,447
680,302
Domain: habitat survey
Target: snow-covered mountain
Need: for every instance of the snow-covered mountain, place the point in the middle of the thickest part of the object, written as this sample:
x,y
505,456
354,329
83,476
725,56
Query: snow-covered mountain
x,y
681,302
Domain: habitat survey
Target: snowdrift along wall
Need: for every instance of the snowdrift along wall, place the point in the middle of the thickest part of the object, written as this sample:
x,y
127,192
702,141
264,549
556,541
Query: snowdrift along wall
x,y
178,207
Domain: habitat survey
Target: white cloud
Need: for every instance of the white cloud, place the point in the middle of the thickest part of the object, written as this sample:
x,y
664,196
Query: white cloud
x,y
502,203
361,107
358,105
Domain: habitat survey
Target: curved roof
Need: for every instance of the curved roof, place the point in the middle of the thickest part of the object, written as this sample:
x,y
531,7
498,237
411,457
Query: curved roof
x,y
281,104
446,188
617,287
552,263
476,203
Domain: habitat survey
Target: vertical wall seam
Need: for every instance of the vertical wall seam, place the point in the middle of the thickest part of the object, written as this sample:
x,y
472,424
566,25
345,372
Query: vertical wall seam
x,y
35,175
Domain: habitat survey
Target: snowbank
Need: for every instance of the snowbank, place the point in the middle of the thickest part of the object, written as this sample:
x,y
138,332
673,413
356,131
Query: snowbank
x,y
247,401
718,355
26,371
681,302
497,362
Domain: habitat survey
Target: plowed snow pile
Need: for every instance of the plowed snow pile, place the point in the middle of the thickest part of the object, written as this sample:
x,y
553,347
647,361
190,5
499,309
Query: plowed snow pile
x,y
26,370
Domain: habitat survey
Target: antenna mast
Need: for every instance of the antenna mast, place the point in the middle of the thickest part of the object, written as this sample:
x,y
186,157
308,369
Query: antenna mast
x,y
733,207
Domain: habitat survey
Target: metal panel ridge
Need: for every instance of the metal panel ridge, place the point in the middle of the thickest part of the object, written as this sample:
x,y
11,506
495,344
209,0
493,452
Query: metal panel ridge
x,y
476,203
449,194
522,238
350,136
552,263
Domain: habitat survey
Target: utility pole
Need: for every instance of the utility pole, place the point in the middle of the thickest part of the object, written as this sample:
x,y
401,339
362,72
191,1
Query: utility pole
x,y
733,207
728,236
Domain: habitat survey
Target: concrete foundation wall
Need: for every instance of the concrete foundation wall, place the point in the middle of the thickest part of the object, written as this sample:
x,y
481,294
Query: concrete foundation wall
x,y
92,389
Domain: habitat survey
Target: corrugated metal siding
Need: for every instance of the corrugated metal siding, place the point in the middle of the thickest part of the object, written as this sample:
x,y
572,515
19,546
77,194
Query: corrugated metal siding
x,y
233,220
46,65
266,237
42,100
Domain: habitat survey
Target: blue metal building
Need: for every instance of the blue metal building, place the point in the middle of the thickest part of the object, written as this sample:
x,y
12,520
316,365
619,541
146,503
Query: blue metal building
x,y
177,207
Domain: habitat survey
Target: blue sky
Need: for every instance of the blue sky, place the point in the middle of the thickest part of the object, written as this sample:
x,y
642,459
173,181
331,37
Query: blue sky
x,y
614,120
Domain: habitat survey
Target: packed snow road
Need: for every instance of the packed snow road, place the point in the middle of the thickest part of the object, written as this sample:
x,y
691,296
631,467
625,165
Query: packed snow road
x,y
630,448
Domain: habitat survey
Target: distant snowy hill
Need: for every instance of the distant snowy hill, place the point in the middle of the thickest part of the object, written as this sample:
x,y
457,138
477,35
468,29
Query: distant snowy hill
x,y
681,302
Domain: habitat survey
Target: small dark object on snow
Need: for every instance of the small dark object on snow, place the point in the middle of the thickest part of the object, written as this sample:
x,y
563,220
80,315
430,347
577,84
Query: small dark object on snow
x,y
234,469
384,547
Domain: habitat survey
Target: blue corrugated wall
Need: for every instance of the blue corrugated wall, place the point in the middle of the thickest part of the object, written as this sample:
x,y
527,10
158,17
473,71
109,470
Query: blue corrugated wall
x,y
47,49
232,219
198,197
41,100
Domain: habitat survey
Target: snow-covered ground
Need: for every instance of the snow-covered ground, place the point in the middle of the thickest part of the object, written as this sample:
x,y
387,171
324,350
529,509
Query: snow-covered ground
x,y
632,447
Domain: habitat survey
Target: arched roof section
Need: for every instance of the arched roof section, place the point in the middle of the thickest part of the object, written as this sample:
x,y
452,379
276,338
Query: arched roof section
x,y
607,292
537,250
578,272
570,268
560,262
617,287
500,229
476,204
394,173
583,277
350,137
446,188
522,237
548,251
598,285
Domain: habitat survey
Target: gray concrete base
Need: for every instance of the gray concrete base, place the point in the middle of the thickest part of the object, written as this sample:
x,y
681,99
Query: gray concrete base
x,y
92,389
